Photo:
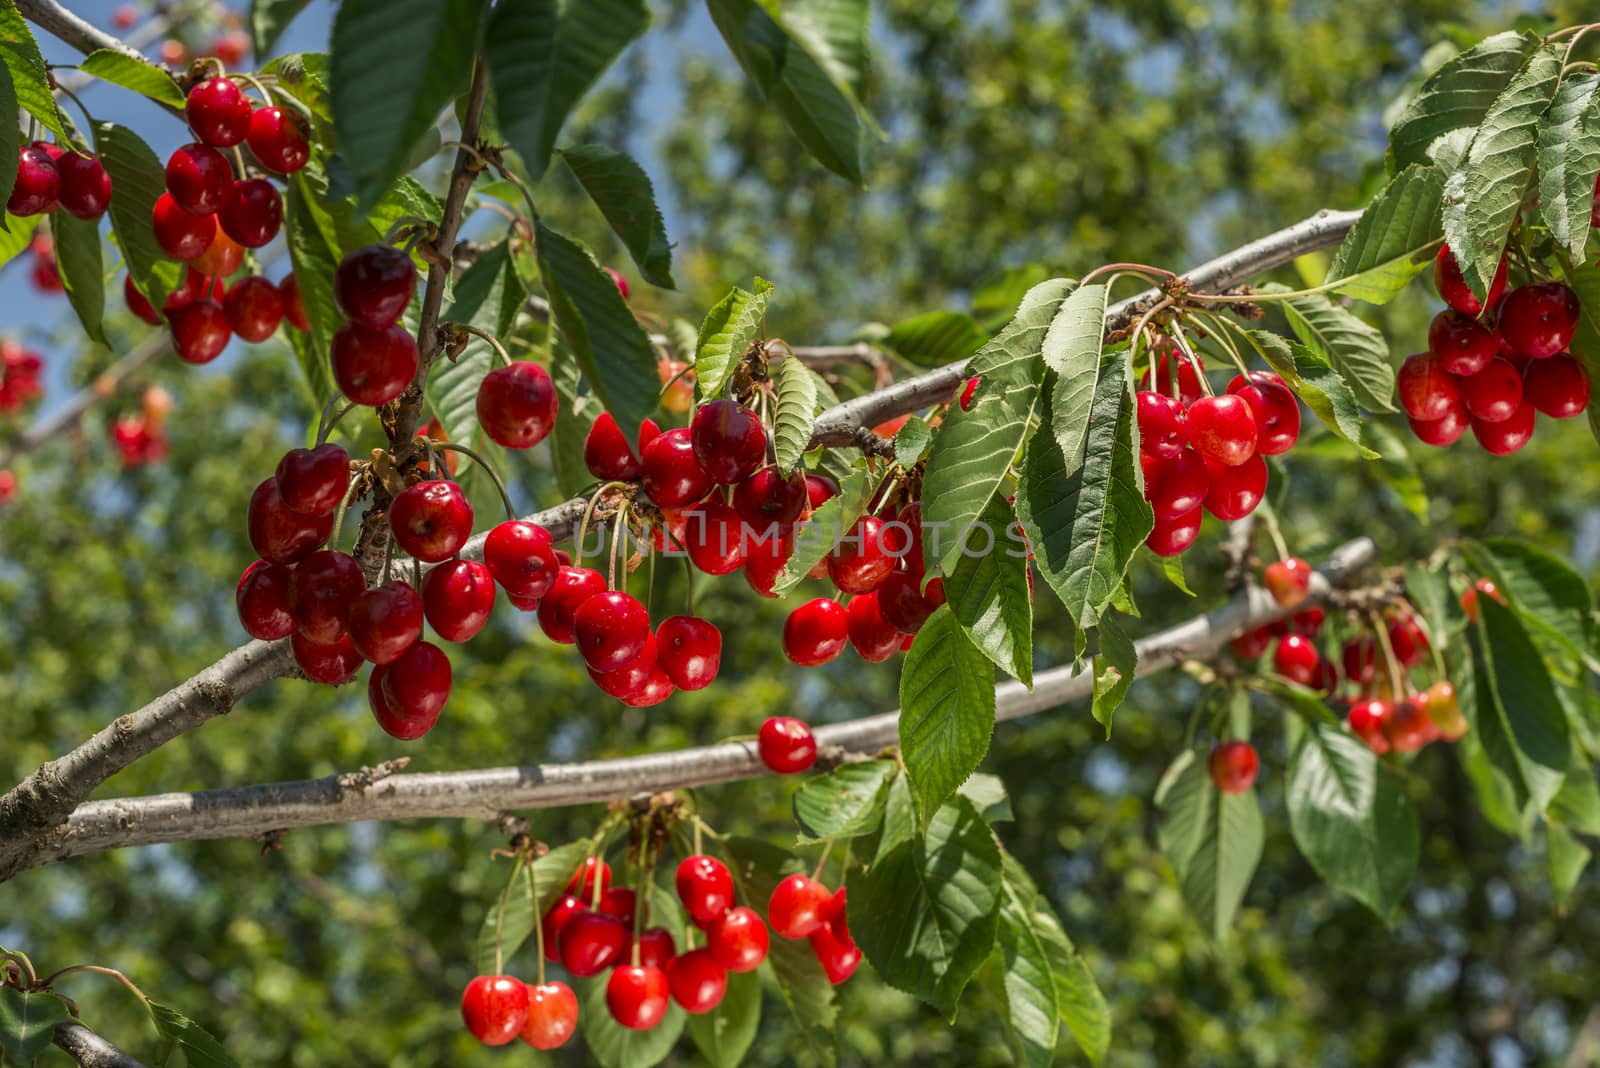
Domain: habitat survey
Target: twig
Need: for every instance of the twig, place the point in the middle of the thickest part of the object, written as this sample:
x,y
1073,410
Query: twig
x,y
89,1049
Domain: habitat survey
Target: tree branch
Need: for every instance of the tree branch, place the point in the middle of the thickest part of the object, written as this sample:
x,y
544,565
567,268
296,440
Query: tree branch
x,y
104,385
73,30
89,1049
250,811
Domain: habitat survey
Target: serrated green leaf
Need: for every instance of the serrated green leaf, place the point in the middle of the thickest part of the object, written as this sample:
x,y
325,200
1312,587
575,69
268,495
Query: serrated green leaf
x,y
911,441
315,259
1314,381
10,142
268,20
1458,94
1577,803
1394,239
119,68
1072,351
200,1048
846,802
622,191
1515,712
834,34
1172,567
795,414
138,178
575,414
989,596
452,392
532,892
988,795
817,536
1354,348
29,80
615,1046
477,290
28,1022
725,1034
83,276
1569,160
899,817
1585,344
1568,857
946,710
1114,665
729,328
1547,594
1212,839
935,338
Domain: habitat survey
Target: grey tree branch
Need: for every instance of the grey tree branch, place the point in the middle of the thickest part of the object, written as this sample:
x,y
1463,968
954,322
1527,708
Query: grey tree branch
x,y
50,16
251,811
89,1049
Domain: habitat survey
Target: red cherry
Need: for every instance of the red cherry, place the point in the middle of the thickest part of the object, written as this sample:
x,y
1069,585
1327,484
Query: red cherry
x,y
1444,431
582,880
729,441
431,520
218,113
262,598
1408,727
636,996
1494,393
903,605
1174,487
1297,659
606,452
705,886
1188,377
1289,581
1408,640
628,680
495,1008
199,178
621,902
313,481
612,628
521,558
1252,643
1464,346
559,607
517,405
254,307
689,650
1453,289
622,283
766,553
657,688
860,561
786,745
837,917
815,632
1276,411
199,331
766,499
220,259
1557,386
555,920
458,598
373,366
334,664
591,942
1367,719
738,939
38,183
1359,658
1233,766
138,303
278,534
1508,435
181,235
1223,429
374,284
1426,390
319,596
820,489
697,981
552,1015
798,906
838,958
294,308
417,684
85,185
671,475
1172,537
656,947
1469,599
278,138
1308,621
1235,491
253,213
1538,320
385,620
1163,425
713,536
874,638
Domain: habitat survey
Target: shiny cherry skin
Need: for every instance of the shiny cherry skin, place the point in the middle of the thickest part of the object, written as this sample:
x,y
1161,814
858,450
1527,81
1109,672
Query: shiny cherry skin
x,y
1359,658
1469,599
333,665
253,212
138,303
1223,429
815,632
591,942
656,947
612,628
495,1008
697,981
621,282
628,680
837,917
1508,435
85,185
1289,581
324,584
637,996
373,285
1367,719
1494,393
729,441
417,683
262,599
373,366
1188,377
1172,537
766,499
457,599
521,558
902,603
517,405
396,725
1252,643
786,745
431,520
1557,386
559,607
38,184
385,620
199,331
713,536
1453,289
1408,727
218,112
1464,345
220,259
181,235
1235,491
278,138
705,886
1409,641
798,906
1233,766
838,958
766,553
1442,706
1276,411
294,309
967,392
1444,431
582,880
670,473
1425,389
606,452
254,307
552,1015
861,561
874,638
313,481
689,650
279,534
1163,425
621,902
199,178
738,939
1174,487
820,489
1308,621
1297,659
555,920
657,688
1539,320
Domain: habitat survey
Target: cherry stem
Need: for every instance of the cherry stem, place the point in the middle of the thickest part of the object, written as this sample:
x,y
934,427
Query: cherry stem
x,y
1144,270
538,920
403,224
698,851
650,579
494,342
1194,361
1220,328
1397,679
588,514
23,964
325,426
642,895
266,94
688,567
688,369
616,540
70,95
486,467
822,861
1276,534
97,969
344,506
500,919
238,164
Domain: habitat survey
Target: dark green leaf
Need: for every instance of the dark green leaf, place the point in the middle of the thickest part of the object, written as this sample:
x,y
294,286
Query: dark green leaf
x,y
1072,351
1114,665
817,536
615,1046
575,414
78,255
1518,718
1458,94
1585,344
834,34
200,1047
795,413
1316,382
989,596
724,1035
910,442
1577,803
1568,857
946,710
1544,590
10,140
936,338
1354,348
28,1022
1213,840
138,178
621,190
315,259
119,68
1394,239
268,20
532,892
1569,159
729,328
477,290
20,53
844,803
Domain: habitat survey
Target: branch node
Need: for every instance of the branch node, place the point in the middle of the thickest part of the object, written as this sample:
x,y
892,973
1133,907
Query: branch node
x,y
360,780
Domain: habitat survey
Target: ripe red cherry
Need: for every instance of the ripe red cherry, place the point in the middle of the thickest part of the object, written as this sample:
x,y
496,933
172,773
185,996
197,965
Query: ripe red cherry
x,y
839,959
181,235
218,113
85,185
729,440
199,179
621,902
555,920
1556,386
1188,377
1367,719
636,997
1172,537
373,366
313,481
220,259
319,596
738,940
1508,435
697,981
860,561
1538,320
559,607
1464,346
1469,599
294,308
766,499
689,650
262,598
385,620
657,688
1426,391
253,212
612,628
431,520
671,475
495,1008
1252,643
458,598
713,536
903,605
591,942
138,303
1223,429
278,138
1163,425
552,1015
1308,621
874,638
405,730
1174,487
517,405
417,684
705,886
333,665
606,452
199,331
374,284
622,283
815,632
278,534
1297,659
798,906
254,307
628,680
786,745
521,558
1289,581
1408,640
820,489
1359,658
582,880
1446,430
1453,289
1494,393
38,183
1276,411
1408,727
655,944
1235,491
766,553
1233,766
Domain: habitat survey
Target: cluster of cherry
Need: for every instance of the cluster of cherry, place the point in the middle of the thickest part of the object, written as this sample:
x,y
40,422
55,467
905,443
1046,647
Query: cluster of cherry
x,y
141,437
20,368
1204,453
1493,364
50,177
45,274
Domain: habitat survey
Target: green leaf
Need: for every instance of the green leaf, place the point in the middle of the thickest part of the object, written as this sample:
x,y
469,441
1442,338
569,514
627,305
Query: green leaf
x,y
139,178
846,802
1516,714
575,414
988,794
934,903
946,710
1585,344
988,594
834,34
935,338
1396,467
1351,818
612,349
382,108
477,290
1394,239
15,235
1213,840
1458,94
1569,160
1577,803
1568,857
1544,590
824,117
1314,381
82,274
544,55
268,20
910,442
1072,351
10,141
817,536
200,1047
315,259
795,414
729,328
28,1022
1172,568
900,816
1483,197
615,1046
622,191
1355,349
31,84
119,68
1114,665
1085,527
533,891
725,1034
